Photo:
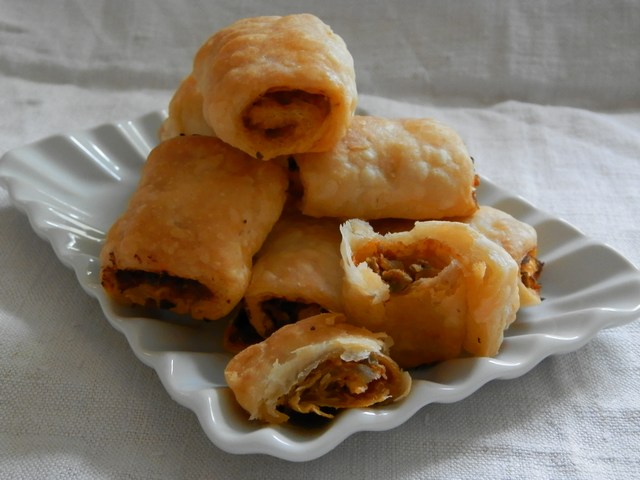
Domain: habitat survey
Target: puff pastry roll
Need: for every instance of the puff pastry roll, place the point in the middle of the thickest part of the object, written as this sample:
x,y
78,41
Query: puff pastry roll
x,y
185,242
439,290
315,366
185,112
408,168
277,85
296,274
520,240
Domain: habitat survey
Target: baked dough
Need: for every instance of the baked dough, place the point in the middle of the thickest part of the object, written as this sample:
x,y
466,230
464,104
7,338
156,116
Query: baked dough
x,y
316,365
520,240
296,274
185,243
184,116
439,290
412,168
277,85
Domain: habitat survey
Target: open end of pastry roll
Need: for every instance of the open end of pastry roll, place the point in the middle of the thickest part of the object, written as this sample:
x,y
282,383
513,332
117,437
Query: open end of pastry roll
x,y
315,366
157,290
273,86
400,265
285,115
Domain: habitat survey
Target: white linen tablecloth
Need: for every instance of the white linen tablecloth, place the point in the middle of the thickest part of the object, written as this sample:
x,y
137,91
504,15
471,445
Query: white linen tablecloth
x,y
547,97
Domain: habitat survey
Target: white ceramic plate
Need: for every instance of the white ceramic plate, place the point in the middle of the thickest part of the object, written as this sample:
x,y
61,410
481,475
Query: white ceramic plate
x,y
73,186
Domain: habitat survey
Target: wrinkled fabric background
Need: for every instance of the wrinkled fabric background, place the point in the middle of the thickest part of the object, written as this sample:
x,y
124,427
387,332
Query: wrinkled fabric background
x,y
547,97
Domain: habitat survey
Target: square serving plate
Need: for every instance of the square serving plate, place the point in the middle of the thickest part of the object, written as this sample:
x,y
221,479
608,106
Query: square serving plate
x,y
73,186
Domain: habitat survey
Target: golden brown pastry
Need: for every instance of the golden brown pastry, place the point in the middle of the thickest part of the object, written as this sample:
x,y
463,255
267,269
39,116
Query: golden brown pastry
x,y
520,240
412,168
277,85
185,113
315,366
439,290
185,243
296,274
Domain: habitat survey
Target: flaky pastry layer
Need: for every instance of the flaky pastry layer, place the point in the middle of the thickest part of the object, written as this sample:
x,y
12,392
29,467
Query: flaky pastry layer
x,y
316,365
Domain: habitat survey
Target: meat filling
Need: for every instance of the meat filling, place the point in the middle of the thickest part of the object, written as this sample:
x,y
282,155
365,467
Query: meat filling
x,y
163,290
278,113
530,271
282,312
339,384
400,271
239,333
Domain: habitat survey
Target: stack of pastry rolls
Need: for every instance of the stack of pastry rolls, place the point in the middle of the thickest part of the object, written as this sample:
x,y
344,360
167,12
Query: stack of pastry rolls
x,y
342,249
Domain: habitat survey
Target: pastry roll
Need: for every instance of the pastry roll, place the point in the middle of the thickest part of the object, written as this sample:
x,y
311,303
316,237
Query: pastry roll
x,y
316,365
296,274
439,290
412,168
520,240
277,85
185,242
185,112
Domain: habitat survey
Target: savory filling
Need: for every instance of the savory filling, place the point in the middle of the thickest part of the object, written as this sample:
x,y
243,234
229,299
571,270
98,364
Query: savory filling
x,y
339,384
162,289
278,113
296,189
399,275
240,333
530,271
399,266
282,312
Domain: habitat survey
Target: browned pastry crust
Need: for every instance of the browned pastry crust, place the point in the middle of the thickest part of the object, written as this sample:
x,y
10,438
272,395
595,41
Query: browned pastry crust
x,y
296,274
185,112
316,364
273,86
520,240
439,289
412,168
200,212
